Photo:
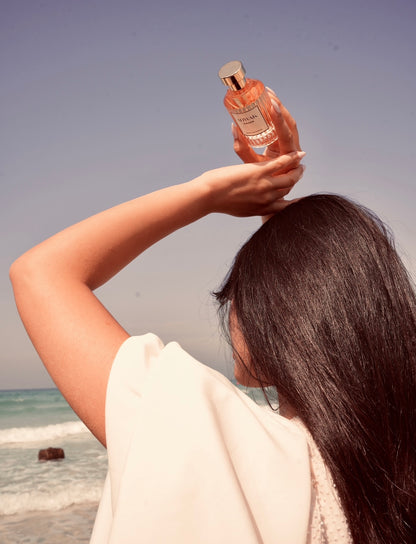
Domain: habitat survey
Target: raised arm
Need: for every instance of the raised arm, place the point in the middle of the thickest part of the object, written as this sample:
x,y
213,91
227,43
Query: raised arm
x,y
75,336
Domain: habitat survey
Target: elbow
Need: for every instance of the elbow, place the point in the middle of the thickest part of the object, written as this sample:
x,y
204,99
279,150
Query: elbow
x,y
29,281
22,269
17,275
16,270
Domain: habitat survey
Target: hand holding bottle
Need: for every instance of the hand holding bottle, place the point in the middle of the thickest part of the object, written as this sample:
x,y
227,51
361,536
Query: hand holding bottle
x,y
288,136
287,142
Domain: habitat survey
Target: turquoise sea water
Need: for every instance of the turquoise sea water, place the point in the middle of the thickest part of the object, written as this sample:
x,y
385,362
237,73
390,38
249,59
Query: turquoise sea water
x,y
31,420
56,501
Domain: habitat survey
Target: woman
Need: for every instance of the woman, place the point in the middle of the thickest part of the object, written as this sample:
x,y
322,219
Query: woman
x,y
319,306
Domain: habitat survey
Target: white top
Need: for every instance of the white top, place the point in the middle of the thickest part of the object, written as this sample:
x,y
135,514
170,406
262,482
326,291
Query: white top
x,y
192,459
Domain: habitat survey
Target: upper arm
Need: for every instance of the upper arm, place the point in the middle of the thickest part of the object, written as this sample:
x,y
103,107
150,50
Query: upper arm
x,y
74,335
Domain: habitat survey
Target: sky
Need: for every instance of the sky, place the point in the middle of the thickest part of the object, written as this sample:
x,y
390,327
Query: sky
x,y
103,101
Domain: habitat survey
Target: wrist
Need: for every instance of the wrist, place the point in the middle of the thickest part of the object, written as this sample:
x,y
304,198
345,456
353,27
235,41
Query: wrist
x,y
205,190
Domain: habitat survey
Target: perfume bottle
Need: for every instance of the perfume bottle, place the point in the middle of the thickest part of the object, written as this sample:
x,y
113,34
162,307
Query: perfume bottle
x,y
249,104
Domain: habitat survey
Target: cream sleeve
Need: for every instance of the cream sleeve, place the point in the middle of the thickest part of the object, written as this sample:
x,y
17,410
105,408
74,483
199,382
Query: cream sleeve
x,y
193,460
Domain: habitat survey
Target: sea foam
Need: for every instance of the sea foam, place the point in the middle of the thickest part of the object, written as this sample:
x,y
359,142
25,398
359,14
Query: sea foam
x,y
55,498
35,434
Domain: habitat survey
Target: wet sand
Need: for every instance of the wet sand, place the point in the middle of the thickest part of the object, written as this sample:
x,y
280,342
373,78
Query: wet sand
x,y
69,526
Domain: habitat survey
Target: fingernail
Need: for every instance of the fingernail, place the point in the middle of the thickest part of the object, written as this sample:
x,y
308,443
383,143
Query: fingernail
x,y
234,131
276,106
301,154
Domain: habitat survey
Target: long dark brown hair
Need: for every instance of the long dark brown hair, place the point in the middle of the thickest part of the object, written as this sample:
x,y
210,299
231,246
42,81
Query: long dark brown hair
x,y
328,313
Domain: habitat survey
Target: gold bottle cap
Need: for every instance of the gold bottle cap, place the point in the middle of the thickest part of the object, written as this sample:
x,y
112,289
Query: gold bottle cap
x,y
233,75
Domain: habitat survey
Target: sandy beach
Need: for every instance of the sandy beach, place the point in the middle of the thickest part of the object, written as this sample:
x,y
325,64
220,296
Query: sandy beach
x,y
72,525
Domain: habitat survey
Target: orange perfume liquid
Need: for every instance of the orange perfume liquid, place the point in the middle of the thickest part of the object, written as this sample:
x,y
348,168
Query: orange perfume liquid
x,y
249,105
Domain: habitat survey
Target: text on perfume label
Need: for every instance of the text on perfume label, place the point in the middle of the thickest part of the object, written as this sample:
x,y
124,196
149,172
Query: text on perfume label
x,y
250,122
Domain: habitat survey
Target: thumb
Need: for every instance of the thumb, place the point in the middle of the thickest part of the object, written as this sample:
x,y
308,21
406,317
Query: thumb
x,y
284,162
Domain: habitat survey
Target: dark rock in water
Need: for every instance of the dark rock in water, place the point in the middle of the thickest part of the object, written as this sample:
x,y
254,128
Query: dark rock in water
x,y
50,454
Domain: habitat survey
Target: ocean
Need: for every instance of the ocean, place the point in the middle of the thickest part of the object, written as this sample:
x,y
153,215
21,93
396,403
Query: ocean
x,y
53,501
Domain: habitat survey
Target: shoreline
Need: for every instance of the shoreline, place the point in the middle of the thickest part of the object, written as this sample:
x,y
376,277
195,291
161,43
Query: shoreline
x,y
67,526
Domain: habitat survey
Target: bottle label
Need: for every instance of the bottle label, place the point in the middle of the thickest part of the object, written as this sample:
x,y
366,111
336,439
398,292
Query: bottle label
x,y
251,121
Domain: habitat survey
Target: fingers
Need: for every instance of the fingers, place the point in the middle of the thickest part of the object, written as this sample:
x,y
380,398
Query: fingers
x,y
272,151
279,187
286,139
241,146
284,183
283,163
291,123
288,136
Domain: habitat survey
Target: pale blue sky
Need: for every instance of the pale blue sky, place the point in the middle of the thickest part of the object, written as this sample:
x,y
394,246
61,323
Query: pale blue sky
x,y
104,101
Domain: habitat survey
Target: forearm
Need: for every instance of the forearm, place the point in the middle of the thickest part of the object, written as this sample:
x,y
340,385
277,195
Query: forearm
x,y
94,250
